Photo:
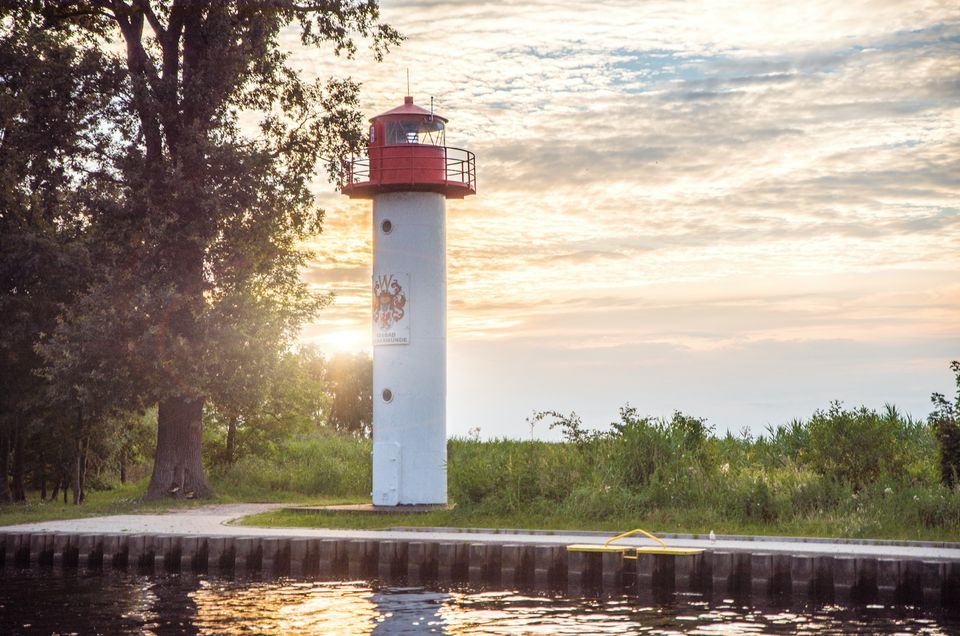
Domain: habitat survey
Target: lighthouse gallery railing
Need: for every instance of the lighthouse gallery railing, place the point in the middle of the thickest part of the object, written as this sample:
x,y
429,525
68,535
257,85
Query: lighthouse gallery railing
x,y
459,166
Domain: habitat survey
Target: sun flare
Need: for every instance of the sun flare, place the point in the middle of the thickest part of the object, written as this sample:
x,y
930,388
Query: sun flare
x,y
347,340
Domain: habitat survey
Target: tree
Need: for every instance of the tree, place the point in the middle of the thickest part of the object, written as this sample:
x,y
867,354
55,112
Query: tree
x,y
209,215
52,96
349,380
945,421
289,402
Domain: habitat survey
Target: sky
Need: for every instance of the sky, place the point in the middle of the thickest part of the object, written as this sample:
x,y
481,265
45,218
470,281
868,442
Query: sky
x,y
741,211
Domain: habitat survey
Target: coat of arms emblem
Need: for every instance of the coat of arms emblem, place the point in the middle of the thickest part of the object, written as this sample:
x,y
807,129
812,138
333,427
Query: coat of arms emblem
x,y
389,300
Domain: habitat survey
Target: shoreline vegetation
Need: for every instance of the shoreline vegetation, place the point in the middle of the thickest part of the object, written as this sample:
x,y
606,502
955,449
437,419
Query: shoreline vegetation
x,y
843,473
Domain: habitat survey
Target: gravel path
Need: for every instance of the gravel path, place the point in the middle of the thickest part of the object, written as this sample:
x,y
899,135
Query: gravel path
x,y
214,520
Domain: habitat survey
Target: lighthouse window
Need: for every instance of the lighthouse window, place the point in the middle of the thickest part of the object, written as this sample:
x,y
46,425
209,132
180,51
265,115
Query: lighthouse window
x,y
415,131
386,226
387,395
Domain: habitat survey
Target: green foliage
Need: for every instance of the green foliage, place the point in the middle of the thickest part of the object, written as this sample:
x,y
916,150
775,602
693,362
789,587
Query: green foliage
x,y
151,239
857,446
510,475
349,378
314,464
53,97
945,420
794,476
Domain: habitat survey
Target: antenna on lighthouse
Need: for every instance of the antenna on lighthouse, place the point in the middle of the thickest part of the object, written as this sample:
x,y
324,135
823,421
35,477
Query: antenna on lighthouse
x,y
431,108
408,81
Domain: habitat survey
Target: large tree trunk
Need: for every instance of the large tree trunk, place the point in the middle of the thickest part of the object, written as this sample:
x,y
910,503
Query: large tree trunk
x,y
177,465
5,495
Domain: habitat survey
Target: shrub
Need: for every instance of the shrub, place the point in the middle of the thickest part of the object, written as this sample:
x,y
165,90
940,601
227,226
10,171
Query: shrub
x,y
507,475
316,464
945,420
855,446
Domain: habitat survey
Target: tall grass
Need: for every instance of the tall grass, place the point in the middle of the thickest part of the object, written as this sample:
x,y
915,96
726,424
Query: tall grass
x,y
844,472
312,465
852,472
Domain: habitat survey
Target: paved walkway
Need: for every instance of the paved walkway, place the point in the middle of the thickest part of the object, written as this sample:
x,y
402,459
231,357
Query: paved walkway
x,y
214,521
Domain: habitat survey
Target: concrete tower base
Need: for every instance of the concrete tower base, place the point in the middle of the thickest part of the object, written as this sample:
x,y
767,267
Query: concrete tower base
x,y
410,349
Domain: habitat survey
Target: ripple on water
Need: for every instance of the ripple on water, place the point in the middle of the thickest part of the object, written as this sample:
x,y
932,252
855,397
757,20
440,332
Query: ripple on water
x,y
45,602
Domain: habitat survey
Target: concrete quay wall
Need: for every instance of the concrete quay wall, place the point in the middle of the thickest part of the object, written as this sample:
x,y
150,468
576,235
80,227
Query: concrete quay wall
x,y
761,576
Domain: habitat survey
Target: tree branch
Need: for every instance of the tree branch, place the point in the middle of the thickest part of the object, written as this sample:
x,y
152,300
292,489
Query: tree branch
x,y
144,6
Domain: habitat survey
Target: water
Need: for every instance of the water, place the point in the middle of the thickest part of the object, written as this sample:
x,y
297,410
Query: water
x,y
38,602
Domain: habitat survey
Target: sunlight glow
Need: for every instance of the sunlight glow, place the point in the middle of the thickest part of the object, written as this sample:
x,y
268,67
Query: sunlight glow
x,y
681,180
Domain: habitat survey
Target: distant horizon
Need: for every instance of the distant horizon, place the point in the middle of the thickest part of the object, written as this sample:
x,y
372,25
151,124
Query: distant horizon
x,y
739,214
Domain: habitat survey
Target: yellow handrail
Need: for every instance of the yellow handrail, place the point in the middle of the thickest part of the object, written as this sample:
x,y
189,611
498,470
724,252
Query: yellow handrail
x,y
632,532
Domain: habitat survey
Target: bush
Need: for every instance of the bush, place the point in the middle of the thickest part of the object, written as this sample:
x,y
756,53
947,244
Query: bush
x,y
331,465
856,446
945,420
507,475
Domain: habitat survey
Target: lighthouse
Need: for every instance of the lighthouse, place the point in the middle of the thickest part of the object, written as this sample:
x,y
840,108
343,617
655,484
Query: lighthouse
x,y
409,173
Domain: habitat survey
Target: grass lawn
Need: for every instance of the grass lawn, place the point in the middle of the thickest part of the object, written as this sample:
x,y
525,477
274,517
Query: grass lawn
x,y
665,522
128,499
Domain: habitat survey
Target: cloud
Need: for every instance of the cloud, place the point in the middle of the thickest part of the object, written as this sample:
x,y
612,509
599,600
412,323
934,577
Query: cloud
x,y
709,179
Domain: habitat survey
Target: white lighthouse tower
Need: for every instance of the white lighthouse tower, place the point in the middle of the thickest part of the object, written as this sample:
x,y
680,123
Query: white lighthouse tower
x,y
410,173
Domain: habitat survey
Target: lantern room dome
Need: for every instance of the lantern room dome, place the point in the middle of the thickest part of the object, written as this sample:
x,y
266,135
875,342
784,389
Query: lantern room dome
x,y
407,151
406,109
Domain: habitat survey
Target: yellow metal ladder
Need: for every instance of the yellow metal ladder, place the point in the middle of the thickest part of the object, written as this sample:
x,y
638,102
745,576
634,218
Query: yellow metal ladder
x,y
630,551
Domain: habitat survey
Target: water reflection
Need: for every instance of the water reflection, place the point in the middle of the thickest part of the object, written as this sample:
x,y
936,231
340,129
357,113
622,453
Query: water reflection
x,y
284,607
410,611
39,602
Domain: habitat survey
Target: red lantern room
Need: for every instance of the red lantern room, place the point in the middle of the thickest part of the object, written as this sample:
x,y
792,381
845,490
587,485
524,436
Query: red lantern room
x,y
407,152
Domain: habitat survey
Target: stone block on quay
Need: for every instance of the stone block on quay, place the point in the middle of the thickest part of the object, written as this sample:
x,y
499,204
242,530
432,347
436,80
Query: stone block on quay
x,y
866,588
452,561
221,554
249,554
910,589
41,548
357,558
140,552
780,584
761,575
64,550
932,574
190,548
275,556
611,571
823,567
844,579
387,561
801,576
722,573
422,561
951,584
578,572
114,551
298,557
477,561
168,553
90,551
327,558
516,565
549,566
888,579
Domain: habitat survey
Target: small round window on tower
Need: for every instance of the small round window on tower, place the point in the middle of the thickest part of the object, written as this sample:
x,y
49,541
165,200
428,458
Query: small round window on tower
x,y
387,395
386,226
